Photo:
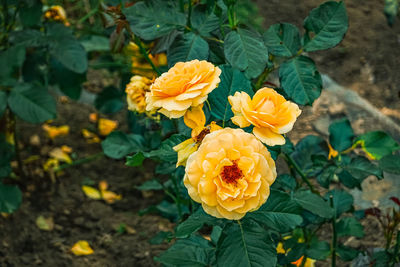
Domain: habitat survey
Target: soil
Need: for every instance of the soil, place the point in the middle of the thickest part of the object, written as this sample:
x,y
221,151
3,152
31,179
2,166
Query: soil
x,y
366,61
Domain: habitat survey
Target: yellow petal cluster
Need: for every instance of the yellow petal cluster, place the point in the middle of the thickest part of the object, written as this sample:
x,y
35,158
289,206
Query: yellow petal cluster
x,y
269,112
136,91
57,13
230,174
185,85
139,64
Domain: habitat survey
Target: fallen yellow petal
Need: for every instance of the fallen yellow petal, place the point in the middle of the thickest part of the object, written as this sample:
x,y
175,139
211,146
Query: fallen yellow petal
x,y
66,149
51,164
81,248
93,117
106,126
103,185
54,131
110,197
91,192
90,137
59,154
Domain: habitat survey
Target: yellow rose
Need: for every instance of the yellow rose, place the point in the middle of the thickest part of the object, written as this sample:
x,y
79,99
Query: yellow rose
x,y
230,174
57,13
136,91
185,85
270,113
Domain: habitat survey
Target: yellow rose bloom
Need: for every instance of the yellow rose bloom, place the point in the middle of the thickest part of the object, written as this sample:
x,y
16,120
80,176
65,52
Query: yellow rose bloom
x,y
136,91
230,174
309,262
57,13
270,113
185,85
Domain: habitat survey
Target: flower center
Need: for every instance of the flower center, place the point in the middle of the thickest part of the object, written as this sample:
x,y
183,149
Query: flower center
x,y
230,174
199,138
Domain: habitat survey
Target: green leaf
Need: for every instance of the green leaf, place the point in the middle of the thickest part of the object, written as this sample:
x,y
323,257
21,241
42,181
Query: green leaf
x,y
109,100
377,144
301,80
245,244
135,160
194,223
347,253
232,80
390,163
10,60
28,37
150,185
118,144
187,47
30,12
283,40
349,226
70,53
313,203
69,82
10,198
360,167
348,180
32,103
246,51
381,259
318,250
96,43
391,9
341,135
280,213
285,181
342,201
195,252
204,20
3,102
165,152
308,147
153,19
325,177
325,26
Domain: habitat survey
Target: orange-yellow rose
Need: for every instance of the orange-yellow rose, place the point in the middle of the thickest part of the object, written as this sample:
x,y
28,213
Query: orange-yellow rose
x,y
270,113
136,91
185,85
230,174
57,13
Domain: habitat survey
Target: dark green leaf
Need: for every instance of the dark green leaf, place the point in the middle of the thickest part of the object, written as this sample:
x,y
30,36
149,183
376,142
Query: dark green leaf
x,y
196,252
361,168
313,203
28,37
150,185
118,144
342,201
381,259
10,198
232,80
109,100
3,102
318,250
326,176
135,160
187,47
69,82
245,244
378,144
348,180
307,147
165,152
10,60
6,154
280,213
204,20
194,222
301,80
390,163
96,43
325,26
30,12
283,40
70,53
246,51
153,19
349,226
32,103
341,135
285,181
347,253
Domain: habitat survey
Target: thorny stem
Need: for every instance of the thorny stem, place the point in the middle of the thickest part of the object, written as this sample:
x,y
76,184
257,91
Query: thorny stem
x,y
301,173
334,235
